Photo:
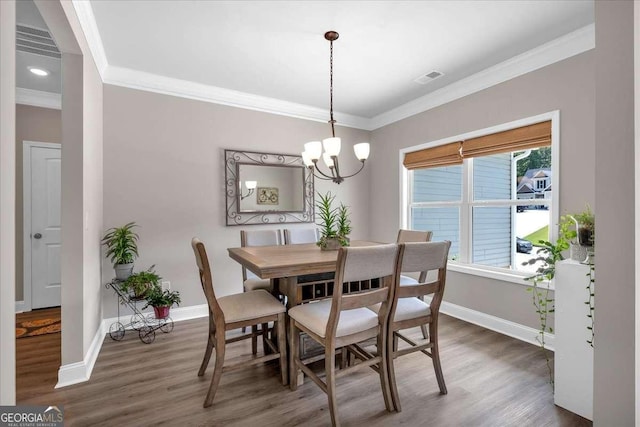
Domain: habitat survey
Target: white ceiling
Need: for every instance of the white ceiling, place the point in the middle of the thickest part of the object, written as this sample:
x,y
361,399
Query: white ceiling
x,y
276,49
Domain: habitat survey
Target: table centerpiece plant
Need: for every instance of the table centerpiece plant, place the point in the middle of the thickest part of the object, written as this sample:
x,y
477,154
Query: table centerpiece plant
x,y
335,225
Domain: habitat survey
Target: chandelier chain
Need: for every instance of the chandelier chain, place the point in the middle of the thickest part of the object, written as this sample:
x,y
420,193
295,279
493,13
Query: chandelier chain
x,y
332,121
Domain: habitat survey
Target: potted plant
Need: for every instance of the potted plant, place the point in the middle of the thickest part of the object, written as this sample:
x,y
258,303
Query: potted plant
x,y
141,282
335,224
122,248
161,301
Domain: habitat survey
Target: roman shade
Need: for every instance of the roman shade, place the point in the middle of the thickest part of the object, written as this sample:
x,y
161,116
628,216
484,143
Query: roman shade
x,y
518,139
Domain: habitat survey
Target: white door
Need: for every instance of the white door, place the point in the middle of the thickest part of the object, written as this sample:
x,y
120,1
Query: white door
x,y
42,223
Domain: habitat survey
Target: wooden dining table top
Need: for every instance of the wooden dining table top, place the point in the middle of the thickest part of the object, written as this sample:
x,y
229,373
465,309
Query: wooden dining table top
x,y
270,262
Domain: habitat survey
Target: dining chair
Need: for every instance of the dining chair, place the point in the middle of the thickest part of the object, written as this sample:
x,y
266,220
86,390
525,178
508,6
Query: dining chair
x,y
235,311
405,236
345,320
408,311
250,281
296,236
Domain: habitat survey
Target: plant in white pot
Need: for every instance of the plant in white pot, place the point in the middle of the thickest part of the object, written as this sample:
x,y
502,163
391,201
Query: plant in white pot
x,y
335,224
122,248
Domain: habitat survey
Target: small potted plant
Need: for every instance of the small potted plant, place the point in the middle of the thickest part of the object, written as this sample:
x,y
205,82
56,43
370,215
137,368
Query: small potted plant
x,y
161,301
141,282
122,248
334,224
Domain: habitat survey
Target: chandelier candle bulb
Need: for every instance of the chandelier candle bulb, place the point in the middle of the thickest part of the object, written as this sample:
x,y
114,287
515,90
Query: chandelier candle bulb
x,y
331,146
328,160
313,149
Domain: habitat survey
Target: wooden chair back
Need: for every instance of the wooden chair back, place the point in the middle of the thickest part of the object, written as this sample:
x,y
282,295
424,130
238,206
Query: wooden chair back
x,y
258,238
361,264
296,236
424,256
216,316
406,236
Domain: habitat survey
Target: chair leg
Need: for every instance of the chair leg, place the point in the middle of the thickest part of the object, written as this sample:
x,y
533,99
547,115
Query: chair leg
x,y
265,336
384,369
395,398
294,354
217,372
344,353
330,379
423,328
435,356
207,355
254,339
282,348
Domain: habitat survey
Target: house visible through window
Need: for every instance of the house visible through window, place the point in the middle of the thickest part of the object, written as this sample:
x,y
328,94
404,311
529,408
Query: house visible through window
x,y
490,196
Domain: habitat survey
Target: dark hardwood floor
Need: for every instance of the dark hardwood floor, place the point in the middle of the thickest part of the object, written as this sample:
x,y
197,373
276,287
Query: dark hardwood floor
x,y
493,380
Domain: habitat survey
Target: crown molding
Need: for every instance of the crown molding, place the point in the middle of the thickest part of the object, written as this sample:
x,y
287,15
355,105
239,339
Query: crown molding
x,y
556,50
38,98
90,28
187,89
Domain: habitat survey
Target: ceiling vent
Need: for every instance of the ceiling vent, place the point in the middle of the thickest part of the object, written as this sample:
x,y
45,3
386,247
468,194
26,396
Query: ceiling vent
x,y
429,77
36,41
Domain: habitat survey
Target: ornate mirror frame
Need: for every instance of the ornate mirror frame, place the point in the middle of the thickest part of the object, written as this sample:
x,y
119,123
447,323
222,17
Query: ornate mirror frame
x,y
235,158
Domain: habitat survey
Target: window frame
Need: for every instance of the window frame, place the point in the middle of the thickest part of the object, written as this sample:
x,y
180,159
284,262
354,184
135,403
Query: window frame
x,y
467,203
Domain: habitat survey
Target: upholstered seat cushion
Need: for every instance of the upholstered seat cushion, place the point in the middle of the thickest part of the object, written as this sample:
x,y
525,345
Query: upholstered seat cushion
x,y
254,284
249,305
407,281
314,316
408,308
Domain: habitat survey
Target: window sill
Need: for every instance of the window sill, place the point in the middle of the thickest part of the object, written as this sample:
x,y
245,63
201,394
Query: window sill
x,y
505,276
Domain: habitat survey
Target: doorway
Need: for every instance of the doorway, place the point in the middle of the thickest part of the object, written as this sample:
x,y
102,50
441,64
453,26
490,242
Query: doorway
x,y
42,225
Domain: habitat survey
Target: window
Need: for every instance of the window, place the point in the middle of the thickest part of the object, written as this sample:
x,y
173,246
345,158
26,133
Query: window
x,y
493,205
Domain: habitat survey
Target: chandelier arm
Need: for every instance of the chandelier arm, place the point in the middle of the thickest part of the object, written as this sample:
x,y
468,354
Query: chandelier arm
x,y
355,173
320,176
316,168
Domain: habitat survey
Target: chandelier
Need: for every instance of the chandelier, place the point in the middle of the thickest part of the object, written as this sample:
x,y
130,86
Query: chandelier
x,y
313,150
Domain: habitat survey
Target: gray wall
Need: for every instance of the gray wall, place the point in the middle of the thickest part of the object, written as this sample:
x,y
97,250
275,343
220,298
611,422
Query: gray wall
x,y
614,360
164,169
32,124
7,199
567,86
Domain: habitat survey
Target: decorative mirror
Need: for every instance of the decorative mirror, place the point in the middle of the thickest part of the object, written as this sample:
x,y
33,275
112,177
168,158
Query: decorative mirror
x,y
267,188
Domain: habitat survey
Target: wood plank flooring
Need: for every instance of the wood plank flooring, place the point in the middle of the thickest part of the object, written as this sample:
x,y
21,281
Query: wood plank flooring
x,y
37,358
493,380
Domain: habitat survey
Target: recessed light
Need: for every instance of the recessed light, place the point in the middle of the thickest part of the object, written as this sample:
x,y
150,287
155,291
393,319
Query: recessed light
x,y
39,71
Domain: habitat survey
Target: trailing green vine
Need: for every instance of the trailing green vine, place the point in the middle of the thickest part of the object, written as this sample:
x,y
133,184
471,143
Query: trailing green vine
x,y
590,302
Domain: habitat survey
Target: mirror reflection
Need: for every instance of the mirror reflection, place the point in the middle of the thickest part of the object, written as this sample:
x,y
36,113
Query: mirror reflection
x,y
270,188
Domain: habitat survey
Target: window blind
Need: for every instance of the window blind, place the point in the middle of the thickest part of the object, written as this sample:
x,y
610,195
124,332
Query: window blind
x,y
519,139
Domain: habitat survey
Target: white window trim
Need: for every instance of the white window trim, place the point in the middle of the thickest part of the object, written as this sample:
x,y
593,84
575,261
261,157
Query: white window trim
x,y
475,269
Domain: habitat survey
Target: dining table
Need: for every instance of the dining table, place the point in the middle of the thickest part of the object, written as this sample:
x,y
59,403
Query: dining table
x,y
302,273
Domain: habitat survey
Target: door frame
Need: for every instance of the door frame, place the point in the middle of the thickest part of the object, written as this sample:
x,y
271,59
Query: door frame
x,y
26,216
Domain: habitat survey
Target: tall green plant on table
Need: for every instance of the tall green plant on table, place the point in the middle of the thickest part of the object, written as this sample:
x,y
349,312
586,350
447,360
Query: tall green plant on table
x,y
122,248
334,222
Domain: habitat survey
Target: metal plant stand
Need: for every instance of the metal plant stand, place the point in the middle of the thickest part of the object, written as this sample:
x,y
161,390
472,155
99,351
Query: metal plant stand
x,y
145,324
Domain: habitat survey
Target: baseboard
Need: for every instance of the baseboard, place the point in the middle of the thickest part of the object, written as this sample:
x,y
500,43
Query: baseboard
x,y
177,315
505,327
78,372
20,306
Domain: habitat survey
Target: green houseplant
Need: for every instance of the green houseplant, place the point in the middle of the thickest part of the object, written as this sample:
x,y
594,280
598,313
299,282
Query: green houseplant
x,y
161,301
122,248
140,283
335,224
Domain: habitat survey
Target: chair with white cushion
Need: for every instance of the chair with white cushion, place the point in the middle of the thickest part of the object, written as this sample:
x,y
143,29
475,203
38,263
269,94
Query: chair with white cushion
x,y
250,281
297,236
408,311
345,320
236,311
405,236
